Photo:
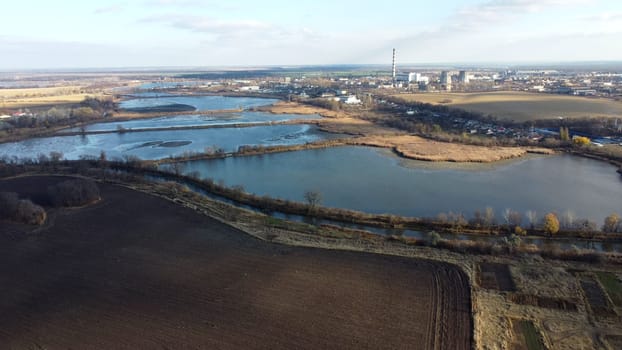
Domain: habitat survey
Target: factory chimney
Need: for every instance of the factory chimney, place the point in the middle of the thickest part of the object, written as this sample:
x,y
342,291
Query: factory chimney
x,y
393,75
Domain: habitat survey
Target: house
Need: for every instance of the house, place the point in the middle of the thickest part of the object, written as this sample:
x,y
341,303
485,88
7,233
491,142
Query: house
x,y
249,88
350,100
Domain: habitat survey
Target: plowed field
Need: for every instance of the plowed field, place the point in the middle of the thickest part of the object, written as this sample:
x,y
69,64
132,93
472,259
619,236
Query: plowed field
x,y
138,272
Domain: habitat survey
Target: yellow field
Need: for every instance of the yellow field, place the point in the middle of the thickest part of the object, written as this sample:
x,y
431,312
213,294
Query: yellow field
x,y
31,97
43,101
40,92
523,106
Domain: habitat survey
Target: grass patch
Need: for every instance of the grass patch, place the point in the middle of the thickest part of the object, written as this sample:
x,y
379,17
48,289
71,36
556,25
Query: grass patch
x,y
290,225
612,285
532,336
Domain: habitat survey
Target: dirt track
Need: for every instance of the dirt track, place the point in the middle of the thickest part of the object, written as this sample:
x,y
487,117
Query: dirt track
x,y
135,271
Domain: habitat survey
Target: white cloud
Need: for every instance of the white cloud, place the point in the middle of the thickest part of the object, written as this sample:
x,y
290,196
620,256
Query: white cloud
x,y
607,17
237,33
484,25
109,9
498,11
173,3
197,4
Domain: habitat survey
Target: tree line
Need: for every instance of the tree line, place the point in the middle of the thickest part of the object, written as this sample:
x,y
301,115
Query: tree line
x,y
91,108
69,193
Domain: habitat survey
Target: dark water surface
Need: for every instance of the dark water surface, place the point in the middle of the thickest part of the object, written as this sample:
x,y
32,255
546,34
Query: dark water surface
x,y
198,120
161,144
201,103
369,180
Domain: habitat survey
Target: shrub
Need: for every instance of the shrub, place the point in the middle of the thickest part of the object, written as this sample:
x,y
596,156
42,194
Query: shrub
x,y
520,231
434,238
30,213
581,140
513,241
73,193
21,210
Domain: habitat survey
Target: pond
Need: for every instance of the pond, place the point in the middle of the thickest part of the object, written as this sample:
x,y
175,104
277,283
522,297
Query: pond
x,y
370,180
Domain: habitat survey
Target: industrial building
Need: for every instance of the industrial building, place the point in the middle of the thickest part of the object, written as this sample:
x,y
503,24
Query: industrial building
x,y
463,77
446,80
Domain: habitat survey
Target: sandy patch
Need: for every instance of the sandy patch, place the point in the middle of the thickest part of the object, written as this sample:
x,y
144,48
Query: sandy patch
x,y
419,148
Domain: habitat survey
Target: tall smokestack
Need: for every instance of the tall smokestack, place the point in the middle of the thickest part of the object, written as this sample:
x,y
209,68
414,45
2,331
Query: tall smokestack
x,y
393,75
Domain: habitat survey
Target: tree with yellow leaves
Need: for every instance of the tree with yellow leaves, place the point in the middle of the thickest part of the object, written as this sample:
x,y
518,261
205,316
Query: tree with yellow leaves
x,y
551,224
581,140
612,223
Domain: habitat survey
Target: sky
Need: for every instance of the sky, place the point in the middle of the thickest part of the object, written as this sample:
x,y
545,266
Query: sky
x,y
208,33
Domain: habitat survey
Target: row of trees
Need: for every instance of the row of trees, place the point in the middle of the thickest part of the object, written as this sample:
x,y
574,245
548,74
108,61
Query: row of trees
x,y
514,220
90,108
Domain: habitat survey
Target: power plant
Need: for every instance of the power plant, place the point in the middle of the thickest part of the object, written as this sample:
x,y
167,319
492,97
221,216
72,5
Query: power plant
x,y
394,81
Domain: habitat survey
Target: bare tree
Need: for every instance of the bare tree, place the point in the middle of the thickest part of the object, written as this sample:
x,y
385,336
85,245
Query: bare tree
x,y
489,216
506,215
442,218
478,219
532,217
177,168
568,220
457,220
55,157
43,159
313,198
515,218
103,159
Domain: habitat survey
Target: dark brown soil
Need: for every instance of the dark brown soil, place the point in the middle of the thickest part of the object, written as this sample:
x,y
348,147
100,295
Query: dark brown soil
x,y
543,301
596,298
137,272
615,341
496,276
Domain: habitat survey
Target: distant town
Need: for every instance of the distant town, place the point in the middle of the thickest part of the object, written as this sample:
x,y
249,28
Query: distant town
x,y
357,87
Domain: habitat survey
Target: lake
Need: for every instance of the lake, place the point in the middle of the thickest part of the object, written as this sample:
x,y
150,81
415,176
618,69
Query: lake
x,y
201,103
370,180
162,144
198,120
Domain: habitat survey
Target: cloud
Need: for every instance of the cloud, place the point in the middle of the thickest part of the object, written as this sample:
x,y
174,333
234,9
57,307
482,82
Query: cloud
x,y
481,25
237,32
23,52
213,4
607,17
175,2
109,9
212,25
497,11
594,46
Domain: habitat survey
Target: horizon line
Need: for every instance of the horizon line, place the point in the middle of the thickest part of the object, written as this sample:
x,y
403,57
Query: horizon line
x,y
478,64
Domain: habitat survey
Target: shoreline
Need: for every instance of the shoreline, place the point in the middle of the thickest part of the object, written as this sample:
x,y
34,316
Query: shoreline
x,y
336,122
